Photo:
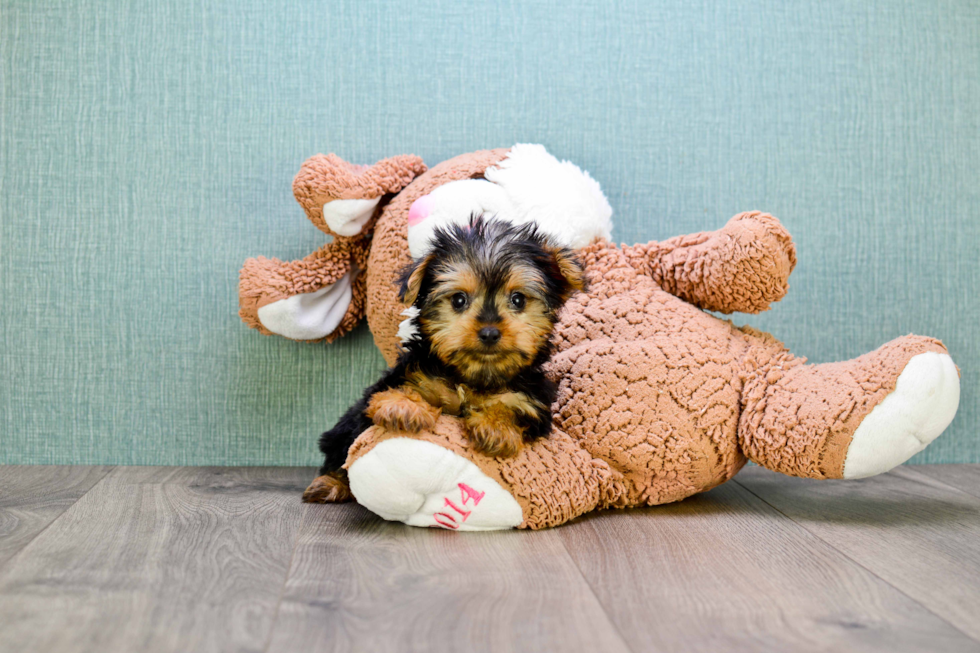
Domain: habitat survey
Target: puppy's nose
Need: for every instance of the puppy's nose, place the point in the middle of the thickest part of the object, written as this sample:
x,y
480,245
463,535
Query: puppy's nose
x,y
489,335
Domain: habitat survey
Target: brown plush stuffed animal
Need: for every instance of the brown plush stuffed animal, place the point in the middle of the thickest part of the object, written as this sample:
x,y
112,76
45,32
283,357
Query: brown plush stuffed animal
x,y
658,399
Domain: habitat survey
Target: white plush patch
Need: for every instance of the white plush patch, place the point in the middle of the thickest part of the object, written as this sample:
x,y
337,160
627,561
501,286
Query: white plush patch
x,y
309,316
422,484
454,203
407,328
560,197
920,407
529,185
348,217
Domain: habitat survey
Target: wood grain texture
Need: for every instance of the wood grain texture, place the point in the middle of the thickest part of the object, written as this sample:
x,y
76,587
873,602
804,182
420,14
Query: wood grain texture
x,y
962,477
362,584
194,559
32,497
725,572
157,559
918,534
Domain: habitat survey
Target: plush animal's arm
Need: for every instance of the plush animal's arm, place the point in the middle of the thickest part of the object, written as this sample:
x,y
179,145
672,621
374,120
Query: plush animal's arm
x,y
320,297
744,266
323,296
341,198
437,478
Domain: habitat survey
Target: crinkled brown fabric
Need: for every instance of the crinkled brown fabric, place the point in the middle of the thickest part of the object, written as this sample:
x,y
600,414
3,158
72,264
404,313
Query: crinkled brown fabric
x,y
263,281
323,178
799,419
666,397
658,400
576,482
744,266
647,382
389,252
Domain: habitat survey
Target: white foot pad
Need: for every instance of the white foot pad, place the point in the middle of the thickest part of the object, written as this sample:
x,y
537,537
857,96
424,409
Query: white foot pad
x,y
922,405
422,484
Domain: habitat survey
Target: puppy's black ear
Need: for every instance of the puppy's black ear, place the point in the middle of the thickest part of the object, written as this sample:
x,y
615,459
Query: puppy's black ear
x,y
568,271
410,280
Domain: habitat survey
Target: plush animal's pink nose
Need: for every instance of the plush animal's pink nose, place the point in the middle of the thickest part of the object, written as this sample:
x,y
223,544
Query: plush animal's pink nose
x,y
420,210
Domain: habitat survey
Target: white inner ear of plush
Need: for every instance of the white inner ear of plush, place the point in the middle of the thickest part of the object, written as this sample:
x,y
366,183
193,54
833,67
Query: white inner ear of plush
x,y
564,201
309,316
454,203
348,217
529,185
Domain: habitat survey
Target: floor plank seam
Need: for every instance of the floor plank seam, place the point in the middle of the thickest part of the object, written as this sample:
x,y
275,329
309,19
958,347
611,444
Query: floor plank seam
x,y
852,560
285,582
56,519
592,591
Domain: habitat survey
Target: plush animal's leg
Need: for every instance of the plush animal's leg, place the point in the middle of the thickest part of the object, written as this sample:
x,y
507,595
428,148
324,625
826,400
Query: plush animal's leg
x,y
341,198
320,297
851,419
744,266
437,478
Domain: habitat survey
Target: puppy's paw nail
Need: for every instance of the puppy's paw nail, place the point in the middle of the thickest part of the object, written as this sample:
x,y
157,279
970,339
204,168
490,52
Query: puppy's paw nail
x,y
497,441
428,418
393,410
389,422
405,415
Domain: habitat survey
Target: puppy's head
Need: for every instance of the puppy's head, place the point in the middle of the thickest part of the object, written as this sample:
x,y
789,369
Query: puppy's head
x,y
488,295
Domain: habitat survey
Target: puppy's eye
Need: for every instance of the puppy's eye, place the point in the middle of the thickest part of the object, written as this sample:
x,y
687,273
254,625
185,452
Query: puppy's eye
x,y
518,301
458,301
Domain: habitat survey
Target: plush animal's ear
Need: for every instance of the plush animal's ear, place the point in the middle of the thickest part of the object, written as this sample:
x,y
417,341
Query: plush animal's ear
x,y
568,269
410,280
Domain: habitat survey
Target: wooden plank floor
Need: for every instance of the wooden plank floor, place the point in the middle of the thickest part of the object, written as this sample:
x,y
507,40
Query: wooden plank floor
x,y
228,559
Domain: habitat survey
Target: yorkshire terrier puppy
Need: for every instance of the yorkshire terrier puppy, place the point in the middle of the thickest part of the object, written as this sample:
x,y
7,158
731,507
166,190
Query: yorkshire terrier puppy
x,y
485,301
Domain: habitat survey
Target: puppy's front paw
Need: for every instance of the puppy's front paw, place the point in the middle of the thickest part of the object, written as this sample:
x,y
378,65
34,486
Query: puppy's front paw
x,y
493,434
329,488
402,410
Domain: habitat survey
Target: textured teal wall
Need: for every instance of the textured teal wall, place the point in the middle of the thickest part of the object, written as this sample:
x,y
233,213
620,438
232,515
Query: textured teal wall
x,y
147,149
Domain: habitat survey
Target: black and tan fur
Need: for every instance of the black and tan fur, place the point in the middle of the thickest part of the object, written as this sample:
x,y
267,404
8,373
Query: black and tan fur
x,y
488,296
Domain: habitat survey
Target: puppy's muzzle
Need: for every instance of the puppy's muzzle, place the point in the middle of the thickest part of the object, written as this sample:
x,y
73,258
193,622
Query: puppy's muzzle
x,y
489,335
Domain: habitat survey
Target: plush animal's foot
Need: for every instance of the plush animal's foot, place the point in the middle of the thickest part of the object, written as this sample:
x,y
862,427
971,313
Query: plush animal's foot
x,y
422,484
922,405
402,410
329,488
